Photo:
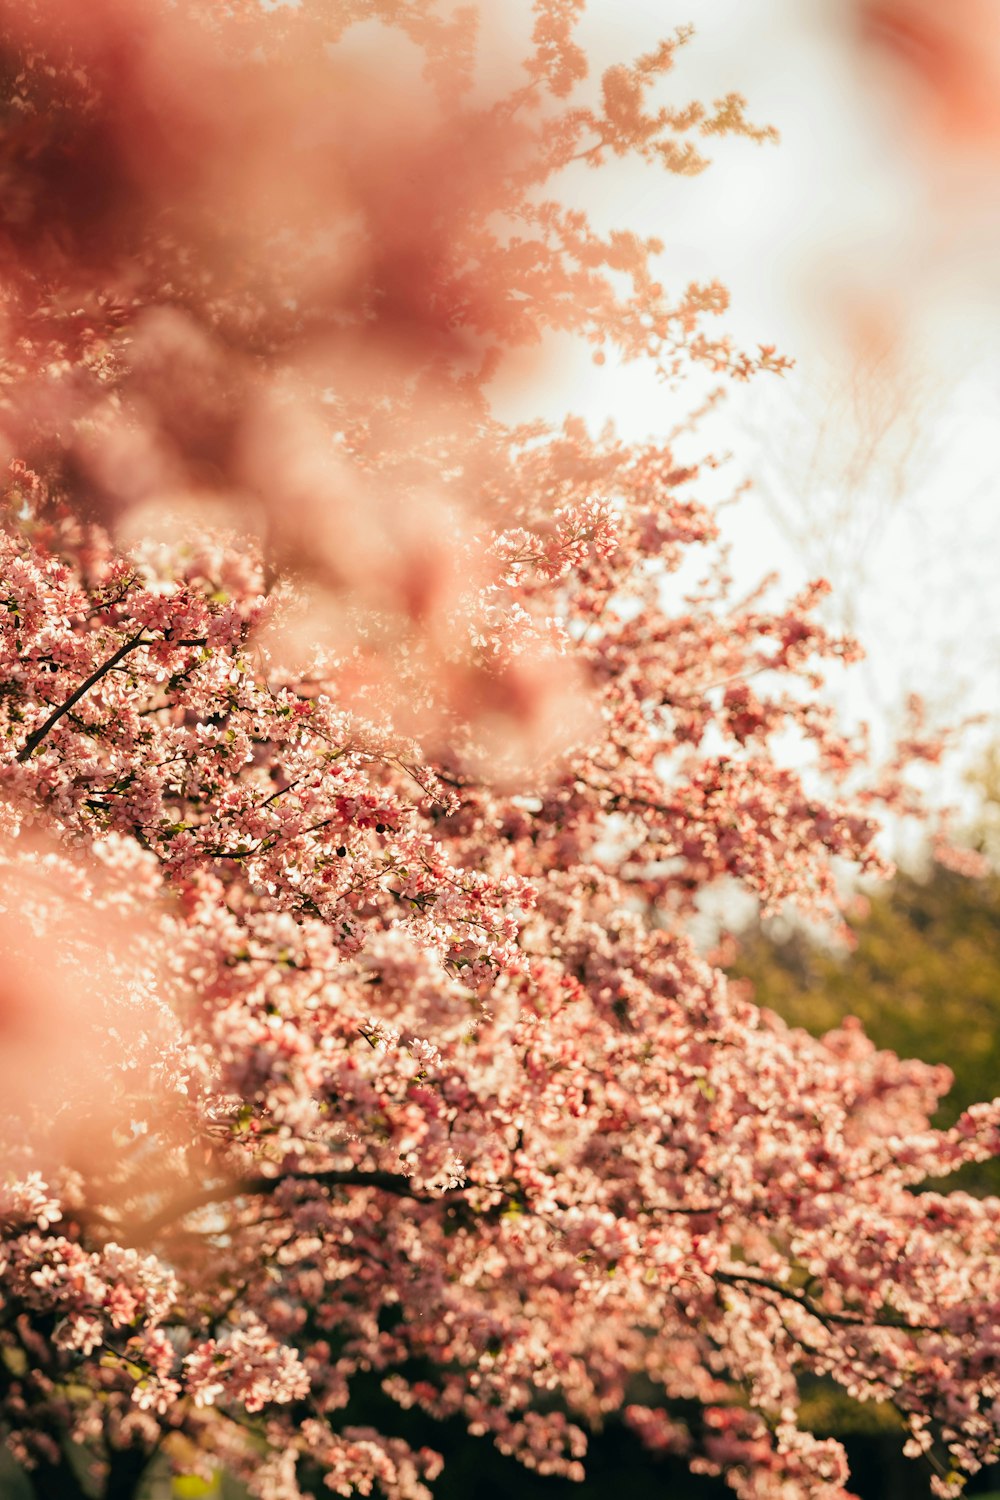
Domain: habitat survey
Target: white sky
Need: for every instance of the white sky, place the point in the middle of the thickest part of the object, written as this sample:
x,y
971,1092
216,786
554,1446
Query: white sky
x,y
881,477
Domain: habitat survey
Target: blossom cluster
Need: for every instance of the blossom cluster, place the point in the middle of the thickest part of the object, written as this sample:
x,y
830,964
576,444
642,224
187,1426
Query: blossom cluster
x,y
387,1044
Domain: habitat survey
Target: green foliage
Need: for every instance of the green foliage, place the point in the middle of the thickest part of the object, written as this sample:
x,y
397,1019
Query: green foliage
x,y
924,978
830,1412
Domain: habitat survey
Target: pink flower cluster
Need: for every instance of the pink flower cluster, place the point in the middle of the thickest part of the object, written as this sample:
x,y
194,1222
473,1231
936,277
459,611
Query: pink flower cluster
x,y
362,963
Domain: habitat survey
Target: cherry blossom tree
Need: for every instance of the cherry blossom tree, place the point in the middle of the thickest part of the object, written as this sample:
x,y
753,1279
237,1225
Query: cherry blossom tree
x,y
366,759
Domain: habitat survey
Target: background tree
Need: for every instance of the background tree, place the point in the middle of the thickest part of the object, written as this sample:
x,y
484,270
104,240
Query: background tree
x,y
921,974
388,1071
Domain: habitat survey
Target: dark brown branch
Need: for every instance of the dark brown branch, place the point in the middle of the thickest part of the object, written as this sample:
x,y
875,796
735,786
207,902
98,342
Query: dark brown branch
x,y
822,1314
386,1182
258,1187
38,735
401,1187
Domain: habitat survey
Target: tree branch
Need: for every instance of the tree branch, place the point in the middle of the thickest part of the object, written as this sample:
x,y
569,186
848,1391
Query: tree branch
x,y
393,1183
38,735
822,1314
401,1187
259,1187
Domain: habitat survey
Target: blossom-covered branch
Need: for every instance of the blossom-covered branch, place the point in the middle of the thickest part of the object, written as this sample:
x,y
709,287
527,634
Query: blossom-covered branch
x,y
365,759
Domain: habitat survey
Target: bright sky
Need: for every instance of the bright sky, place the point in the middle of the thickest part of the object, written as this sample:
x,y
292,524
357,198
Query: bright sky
x,y
876,470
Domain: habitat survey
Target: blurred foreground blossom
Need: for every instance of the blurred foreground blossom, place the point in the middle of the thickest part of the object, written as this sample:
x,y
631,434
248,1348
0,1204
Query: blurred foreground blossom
x,y
234,280
948,59
445,1093
85,1031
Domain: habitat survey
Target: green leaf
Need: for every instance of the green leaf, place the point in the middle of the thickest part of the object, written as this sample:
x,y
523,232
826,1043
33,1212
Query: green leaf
x,y
192,1487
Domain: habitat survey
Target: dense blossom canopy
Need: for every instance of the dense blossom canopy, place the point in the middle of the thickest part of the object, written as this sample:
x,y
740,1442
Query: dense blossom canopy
x,y
365,760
